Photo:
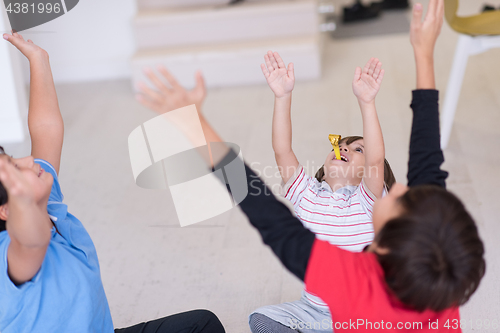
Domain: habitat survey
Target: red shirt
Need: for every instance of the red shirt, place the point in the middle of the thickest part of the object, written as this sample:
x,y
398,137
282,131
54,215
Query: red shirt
x,y
353,286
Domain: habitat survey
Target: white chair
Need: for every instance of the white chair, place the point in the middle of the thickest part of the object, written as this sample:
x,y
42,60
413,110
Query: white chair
x,y
478,34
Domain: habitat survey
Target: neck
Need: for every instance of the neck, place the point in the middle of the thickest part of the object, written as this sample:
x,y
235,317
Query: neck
x,y
337,183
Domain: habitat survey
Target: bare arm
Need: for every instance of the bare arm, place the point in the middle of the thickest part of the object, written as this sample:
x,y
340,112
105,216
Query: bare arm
x,y
44,118
423,38
281,81
366,85
166,99
28,224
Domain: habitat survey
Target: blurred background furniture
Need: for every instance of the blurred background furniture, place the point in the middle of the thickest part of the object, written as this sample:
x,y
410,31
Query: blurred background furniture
x,y
478,34
226,42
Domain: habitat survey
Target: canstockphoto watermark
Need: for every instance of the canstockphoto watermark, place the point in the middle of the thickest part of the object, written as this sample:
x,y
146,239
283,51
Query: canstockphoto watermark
x,y
170,151
371,325
26,14
358,324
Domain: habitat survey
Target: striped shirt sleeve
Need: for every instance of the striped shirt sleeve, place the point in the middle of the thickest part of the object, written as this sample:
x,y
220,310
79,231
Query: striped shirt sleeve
x,y
366,197
296,186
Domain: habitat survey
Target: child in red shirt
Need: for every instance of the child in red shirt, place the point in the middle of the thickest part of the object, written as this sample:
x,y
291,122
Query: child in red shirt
x,y
426,259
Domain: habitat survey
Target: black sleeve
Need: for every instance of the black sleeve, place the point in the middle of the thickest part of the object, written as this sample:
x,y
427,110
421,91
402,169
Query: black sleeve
x,y
426,156
282,231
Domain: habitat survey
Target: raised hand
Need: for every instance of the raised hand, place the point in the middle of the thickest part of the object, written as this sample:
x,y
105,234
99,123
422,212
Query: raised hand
x,y
28,48
170,98
423,35
367,81
18,188
280,79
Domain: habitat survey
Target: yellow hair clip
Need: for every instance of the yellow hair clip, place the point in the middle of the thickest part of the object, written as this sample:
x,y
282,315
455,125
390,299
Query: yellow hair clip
x,y
335,139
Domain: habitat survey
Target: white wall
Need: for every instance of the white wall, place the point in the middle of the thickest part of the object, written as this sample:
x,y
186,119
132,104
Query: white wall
x,y
93,41
13,103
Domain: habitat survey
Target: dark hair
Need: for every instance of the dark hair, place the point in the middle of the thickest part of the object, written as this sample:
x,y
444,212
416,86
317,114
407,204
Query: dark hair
x,y
435,256
3,196
389,178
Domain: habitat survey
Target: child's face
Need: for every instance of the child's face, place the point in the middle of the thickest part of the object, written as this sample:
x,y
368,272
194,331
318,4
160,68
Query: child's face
x,y
388,207
350,167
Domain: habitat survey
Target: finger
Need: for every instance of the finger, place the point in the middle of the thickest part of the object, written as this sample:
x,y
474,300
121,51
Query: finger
x,y
273,60
170,78
155,80
373,64
417,15
150,93
381,76
264,70
431,9
440,10
357,74
281,63
200,83
17,35
146,102
367,66
30,41
12,39
377,70
200,80
291,72
268,64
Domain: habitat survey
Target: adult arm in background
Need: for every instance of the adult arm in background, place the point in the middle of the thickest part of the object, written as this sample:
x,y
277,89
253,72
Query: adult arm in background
x,y
426,156
283,232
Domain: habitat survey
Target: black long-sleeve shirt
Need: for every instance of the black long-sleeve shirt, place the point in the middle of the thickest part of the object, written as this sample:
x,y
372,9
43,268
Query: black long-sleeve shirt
x,y
286,235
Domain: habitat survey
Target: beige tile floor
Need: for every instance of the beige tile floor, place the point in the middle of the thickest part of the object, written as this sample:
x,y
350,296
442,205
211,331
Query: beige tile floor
x,y
151,267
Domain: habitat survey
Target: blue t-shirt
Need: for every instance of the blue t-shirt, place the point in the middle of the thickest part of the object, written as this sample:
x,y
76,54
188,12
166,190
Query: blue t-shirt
x,y
66,295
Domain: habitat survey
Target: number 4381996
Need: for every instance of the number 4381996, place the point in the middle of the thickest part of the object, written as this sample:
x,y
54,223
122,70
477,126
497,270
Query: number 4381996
x,y
40,8
484,324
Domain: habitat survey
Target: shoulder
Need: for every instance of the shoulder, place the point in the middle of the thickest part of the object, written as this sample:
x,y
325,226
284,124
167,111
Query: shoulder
x,y
46,166
55,193
299,179
364,194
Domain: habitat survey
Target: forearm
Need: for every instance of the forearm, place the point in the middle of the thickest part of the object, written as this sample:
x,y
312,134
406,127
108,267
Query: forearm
x,y
425,70
30,226
372,134
282,125
215,155
374,149
426,156
43,107
30,233
284,233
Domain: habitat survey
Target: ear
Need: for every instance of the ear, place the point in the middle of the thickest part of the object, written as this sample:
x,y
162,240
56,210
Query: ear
x,y
4,212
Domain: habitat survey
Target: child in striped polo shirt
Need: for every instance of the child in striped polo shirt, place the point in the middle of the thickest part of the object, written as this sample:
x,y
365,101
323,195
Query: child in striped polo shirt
x,y
337,203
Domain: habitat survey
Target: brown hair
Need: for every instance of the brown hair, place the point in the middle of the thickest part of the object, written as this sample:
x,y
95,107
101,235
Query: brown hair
x,y
3,196
389,178
435,258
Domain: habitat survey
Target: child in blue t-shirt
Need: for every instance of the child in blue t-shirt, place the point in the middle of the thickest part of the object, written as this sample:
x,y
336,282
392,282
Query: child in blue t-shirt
x,y
50,278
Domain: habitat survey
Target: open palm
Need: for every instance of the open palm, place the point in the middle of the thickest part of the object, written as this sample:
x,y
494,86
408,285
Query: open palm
x,y
367,81
168,98
27,47
280,79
